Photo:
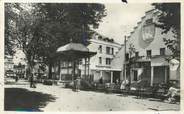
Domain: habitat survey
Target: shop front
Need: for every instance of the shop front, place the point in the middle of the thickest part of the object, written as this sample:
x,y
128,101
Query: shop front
x,y
151,72
106,75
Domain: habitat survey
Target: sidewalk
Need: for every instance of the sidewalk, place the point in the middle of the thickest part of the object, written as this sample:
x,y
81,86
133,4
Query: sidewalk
x,y
56,98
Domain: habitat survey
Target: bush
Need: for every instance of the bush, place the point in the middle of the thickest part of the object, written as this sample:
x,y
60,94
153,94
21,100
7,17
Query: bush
x,y
69,84
86,84
47,82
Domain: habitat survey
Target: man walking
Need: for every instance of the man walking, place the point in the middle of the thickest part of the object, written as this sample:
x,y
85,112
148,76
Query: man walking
x,y
78,84
31,80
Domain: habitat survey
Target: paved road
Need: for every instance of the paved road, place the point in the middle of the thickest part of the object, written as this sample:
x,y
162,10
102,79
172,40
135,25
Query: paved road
x,y
60,99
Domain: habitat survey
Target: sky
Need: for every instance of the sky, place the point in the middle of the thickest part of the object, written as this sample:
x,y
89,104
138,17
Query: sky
x,y
121,18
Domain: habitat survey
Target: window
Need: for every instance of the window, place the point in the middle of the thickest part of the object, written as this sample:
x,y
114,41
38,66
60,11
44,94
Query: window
x,y
100,60
108,61
107,50
137,65
135,76
126,56
100,48
63,64
162,51
137,54
112,51
149,21
148,53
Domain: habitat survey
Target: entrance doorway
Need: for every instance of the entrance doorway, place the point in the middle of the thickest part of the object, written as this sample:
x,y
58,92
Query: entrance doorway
x,y
116,76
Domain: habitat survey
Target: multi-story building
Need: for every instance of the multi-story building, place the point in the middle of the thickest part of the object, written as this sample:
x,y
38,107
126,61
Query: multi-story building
x,y
8,65
99,66
146,52
20,70
8,62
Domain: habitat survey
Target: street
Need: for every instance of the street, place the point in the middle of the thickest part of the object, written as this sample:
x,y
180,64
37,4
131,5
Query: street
x,y
20,96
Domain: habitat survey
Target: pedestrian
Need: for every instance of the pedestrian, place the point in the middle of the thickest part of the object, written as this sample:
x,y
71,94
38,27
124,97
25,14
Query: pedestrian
x,y
124,84
16,78
173,92
74,85
117,81
31,80
78,84
101,80
34,81
123,87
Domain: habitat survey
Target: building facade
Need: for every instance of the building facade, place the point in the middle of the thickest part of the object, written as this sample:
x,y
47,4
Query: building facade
x,y
8,65
99,66
146,53
8,62
20,70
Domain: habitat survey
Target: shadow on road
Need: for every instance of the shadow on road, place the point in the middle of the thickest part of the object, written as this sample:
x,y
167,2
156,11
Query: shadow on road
x,y
15,83
18,99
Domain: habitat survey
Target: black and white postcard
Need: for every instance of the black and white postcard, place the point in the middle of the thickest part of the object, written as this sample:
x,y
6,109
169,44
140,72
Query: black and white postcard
x,y
91,56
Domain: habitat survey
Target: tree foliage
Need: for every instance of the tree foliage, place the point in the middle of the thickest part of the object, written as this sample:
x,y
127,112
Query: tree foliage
x,y
43,27
169,20
10,18
61,22
20,28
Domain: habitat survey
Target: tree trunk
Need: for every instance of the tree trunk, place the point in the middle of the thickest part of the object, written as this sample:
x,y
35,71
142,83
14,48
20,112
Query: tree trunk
x,y
50,71
59,68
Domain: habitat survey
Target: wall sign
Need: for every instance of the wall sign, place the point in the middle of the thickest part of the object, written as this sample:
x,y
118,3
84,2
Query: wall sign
x,y
148,31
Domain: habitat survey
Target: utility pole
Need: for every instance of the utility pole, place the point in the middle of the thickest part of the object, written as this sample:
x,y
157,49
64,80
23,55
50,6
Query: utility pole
x,y
125,58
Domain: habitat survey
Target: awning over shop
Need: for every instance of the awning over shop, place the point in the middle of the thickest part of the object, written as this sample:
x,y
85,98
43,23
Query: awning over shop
x,y
159,61
106,69
144,59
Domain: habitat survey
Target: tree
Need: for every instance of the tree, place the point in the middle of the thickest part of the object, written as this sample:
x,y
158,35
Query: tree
x,y
62,22
43,27
20,28
169,20
10,17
